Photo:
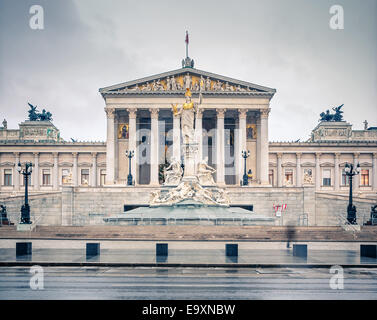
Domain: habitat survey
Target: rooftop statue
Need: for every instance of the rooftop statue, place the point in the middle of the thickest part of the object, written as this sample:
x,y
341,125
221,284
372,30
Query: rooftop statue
x,y
34,115
337,116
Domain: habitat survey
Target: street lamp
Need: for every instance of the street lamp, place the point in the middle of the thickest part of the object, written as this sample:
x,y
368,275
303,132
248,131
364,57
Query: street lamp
x,y
351,209
25,209
129,155
245,178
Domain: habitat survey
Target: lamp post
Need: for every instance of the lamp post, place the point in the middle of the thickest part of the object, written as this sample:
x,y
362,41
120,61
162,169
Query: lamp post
x,y
351,209
129,155
245,178
25,209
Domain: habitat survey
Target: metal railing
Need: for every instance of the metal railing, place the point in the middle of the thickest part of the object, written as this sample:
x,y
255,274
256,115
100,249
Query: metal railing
x,y
344,223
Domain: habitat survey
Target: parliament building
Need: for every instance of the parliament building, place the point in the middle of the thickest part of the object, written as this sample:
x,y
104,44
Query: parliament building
x,y
76,183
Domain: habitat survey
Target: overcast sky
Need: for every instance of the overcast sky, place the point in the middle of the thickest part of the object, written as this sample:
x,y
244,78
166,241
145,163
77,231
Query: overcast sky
x,y
287,45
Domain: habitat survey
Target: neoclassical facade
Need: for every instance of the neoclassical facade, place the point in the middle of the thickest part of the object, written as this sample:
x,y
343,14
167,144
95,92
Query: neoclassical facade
x,y
232,117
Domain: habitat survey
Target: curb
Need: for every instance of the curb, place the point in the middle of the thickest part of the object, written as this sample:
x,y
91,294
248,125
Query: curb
x,y
179,265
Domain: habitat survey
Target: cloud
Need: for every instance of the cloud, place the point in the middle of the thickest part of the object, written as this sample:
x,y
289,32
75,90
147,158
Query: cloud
x,y
91,44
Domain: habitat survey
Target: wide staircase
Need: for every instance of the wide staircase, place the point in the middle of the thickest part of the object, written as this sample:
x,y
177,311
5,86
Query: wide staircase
x,y
174,232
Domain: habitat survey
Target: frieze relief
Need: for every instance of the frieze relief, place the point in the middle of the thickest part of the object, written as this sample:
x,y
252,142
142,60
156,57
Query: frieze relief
x,y
184,81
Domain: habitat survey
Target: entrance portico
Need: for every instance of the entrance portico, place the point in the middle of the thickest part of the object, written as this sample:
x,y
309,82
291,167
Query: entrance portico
x,y
232,116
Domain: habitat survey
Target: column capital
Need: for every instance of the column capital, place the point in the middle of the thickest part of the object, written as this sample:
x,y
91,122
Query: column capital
x,y
17,154
75,154
279,155
337,155
374,155
356,154
110,113
242,113
36,154
318,155
264,113
94,154
132,113
55,154
220,113
154,113
298,155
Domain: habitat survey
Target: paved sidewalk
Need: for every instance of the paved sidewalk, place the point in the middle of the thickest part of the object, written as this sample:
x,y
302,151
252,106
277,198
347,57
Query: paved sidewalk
x,y
188,257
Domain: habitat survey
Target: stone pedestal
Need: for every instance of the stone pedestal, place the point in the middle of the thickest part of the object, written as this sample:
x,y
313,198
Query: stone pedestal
x,y
190,152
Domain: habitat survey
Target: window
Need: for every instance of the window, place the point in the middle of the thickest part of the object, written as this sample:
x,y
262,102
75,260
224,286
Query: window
x,y
271,177
66,176
364,177
7,177
46,177
85,177
288,177
326,177
102,177
345,178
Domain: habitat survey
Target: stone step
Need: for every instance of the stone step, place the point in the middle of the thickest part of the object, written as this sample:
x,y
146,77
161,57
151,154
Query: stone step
x,y
368,233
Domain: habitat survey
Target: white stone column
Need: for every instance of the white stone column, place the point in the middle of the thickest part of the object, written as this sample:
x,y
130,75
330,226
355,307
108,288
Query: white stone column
x,y
36,171
110,146
356,178
241,143
259,155
220,151
199,134
93,181
154,147
55,171
278,169
16,175
298,170
374,170
264,159
75,173
336,171
317,171
132,140
176,138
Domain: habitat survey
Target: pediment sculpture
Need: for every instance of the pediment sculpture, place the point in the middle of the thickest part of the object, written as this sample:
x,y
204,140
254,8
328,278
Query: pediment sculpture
x,y
181,82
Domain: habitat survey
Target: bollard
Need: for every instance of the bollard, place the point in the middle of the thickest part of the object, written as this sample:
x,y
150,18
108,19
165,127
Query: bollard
x,y
300,250
161,249
92,250
23,248
231,250
368,250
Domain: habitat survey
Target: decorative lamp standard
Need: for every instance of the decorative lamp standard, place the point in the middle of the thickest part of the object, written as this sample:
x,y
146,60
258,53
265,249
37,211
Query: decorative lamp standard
x,y
351,209
129,155
25,209
245,178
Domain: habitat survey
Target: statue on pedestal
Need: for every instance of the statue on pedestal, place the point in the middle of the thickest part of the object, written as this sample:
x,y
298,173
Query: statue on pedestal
x,y
187,116
173,173
205,173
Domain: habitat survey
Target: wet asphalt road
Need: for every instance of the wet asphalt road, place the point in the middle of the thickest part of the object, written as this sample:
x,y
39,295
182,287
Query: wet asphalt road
x,y
186,283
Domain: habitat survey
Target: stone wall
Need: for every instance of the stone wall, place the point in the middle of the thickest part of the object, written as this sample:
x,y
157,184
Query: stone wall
x,y
45,208
330,208
88,206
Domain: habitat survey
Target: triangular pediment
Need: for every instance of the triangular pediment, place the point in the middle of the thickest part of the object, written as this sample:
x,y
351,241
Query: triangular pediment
x,y
176,81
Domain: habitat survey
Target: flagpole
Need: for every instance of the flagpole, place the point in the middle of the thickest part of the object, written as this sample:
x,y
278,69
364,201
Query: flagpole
x,y
187,40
